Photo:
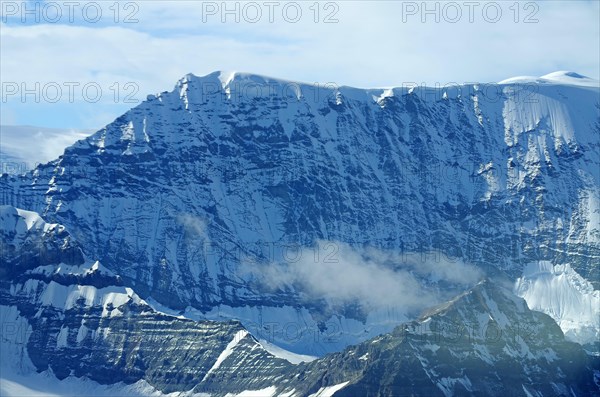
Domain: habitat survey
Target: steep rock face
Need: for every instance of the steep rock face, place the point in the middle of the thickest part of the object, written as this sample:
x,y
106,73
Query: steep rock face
x,y
485,342
78,320
179,192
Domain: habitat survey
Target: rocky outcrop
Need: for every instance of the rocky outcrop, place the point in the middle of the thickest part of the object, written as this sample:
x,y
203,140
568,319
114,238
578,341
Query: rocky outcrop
x,y
77,320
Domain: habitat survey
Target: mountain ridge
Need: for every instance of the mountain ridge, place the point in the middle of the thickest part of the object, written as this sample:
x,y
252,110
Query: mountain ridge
x,y
106,339
497,180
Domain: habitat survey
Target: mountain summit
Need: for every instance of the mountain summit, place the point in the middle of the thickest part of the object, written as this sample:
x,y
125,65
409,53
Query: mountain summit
x,y
237,196
181,193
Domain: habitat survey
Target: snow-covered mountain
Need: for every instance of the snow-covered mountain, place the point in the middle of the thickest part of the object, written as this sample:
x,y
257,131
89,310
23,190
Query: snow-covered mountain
x,y
322,216
71,317
71,328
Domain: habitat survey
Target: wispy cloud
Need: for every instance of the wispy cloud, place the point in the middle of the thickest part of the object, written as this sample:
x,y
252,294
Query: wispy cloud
x,y
194,226
372,278
50,143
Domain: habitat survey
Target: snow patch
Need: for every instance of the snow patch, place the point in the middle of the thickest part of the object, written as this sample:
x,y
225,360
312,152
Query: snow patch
x,y
560,77
329,390
45,384
564,295
565,77
267,392
67,297
279,352
61,339
227,352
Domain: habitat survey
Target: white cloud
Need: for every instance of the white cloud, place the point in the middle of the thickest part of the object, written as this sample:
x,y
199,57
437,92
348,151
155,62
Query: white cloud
x,y
16,143
373,278
195,226
370,46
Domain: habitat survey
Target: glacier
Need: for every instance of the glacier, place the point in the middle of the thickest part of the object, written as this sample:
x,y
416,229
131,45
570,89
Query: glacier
x,y
571,300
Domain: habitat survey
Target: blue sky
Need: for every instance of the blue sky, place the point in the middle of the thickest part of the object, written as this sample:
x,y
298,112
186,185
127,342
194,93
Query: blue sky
x,y
50,48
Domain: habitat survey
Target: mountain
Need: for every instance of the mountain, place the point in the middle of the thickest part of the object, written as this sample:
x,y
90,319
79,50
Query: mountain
x,y
217,237
180,193
485,342
73,317
75,323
